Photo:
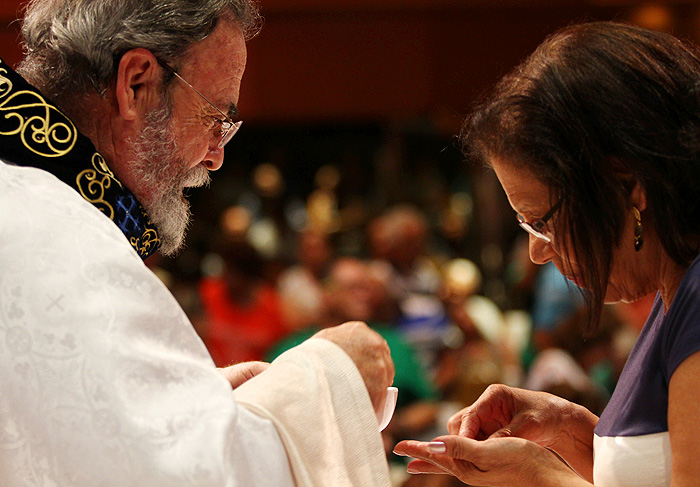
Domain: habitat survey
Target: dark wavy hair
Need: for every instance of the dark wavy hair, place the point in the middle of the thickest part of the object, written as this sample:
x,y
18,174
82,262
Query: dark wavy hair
x,y
597,107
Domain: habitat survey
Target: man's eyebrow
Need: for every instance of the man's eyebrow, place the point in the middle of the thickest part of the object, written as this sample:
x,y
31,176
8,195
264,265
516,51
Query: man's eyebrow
x,y
232,111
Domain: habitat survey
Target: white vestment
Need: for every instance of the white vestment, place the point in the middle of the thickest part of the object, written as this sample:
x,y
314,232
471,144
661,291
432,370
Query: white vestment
x,y
105,383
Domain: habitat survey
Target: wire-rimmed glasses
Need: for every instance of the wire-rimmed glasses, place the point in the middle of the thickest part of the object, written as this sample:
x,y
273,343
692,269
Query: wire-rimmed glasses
x,y
227,127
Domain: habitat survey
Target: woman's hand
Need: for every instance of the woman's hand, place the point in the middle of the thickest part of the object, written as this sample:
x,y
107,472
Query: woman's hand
x,y
503,411
497,461
239,373
545,419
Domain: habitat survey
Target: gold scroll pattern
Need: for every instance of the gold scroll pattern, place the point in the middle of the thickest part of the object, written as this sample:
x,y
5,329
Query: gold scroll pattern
x,y
93,184
38,132
147,242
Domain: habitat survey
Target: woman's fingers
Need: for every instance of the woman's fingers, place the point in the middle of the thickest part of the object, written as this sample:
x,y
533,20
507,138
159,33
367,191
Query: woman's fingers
x,y
441,451
444,455
422,466
493,410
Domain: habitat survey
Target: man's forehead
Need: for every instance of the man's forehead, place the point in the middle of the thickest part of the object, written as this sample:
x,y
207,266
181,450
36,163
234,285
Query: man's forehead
x,y
223,50
216,65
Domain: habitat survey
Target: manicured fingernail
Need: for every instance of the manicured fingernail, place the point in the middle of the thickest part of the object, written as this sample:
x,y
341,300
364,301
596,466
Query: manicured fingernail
x,y
400,453
436,447
412,470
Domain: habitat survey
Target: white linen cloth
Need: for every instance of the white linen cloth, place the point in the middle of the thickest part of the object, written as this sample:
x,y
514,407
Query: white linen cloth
x,y
105,383
310,430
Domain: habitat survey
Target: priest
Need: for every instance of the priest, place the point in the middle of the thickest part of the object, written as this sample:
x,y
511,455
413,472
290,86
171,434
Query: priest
x,y
119,105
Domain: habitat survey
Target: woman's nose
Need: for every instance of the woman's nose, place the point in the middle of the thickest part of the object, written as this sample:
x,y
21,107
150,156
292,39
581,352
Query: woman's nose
x,y
541,251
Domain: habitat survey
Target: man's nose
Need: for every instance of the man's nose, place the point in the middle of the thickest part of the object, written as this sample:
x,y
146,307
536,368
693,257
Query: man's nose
x,y
214,159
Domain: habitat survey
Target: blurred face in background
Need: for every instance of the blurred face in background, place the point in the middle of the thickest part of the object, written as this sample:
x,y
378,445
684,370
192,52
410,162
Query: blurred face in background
x,y
350,295
314,250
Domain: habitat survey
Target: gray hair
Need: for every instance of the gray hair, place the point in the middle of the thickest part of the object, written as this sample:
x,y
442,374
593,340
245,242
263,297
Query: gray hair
x,y
73,47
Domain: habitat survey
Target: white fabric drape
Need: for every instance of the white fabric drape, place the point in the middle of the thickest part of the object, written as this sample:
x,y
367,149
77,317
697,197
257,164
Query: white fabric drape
x,y
325,446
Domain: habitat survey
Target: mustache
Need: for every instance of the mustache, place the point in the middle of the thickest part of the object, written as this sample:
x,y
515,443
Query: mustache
x,y
196,177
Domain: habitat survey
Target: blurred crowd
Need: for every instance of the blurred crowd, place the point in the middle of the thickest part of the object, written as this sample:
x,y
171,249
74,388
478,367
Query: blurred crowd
x,y
451,333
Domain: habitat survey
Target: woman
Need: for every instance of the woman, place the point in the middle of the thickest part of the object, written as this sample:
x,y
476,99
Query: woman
x,y
596,142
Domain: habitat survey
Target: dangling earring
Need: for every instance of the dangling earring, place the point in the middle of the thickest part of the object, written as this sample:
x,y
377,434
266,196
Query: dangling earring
x,y
638,229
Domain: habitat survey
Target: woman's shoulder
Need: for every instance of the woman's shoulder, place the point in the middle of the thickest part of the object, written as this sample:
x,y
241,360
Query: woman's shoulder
x,y
681,326
687,296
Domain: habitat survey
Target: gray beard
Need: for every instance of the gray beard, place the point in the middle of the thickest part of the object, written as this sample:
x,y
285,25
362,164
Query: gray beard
x,y
161,176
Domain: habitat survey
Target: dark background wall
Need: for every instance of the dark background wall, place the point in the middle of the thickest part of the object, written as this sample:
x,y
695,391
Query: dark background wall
x,y
320,60
376,90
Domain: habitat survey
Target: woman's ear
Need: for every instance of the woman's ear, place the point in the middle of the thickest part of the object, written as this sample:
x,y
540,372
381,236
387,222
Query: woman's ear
x,y
638,196
138,83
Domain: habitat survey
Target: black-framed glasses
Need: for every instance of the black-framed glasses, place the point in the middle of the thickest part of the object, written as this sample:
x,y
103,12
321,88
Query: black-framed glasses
x,y
539,228
227,127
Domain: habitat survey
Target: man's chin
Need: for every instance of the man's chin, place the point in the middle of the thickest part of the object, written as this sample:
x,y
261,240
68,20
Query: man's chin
x,y
171,217
170,249
169,209
171,242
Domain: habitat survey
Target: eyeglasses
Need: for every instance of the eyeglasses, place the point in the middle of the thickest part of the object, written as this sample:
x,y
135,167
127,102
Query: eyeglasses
x,y
227,127
539,228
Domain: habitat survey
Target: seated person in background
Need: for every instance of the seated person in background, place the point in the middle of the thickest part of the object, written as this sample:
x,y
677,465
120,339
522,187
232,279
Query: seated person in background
x,y
480,351
349,295
399,245
554,301
299,286
561,361
243,315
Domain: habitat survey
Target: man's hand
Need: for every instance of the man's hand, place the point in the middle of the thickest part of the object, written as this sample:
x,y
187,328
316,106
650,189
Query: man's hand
x,y
239,373
370,353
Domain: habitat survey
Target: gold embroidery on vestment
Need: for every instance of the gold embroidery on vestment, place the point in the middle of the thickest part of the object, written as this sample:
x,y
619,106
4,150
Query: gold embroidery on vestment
x,y
93,184
37,132
148,240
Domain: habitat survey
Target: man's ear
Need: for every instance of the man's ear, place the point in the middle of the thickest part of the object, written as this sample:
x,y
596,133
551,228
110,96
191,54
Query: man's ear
x,y
138,84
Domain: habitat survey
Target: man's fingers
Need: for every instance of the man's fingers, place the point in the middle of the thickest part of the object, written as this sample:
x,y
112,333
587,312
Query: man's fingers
x,y
391,369
240,373
469,424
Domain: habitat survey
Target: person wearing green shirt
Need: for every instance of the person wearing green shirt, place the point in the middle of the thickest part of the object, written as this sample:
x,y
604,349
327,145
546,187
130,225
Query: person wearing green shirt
x,y
350,295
